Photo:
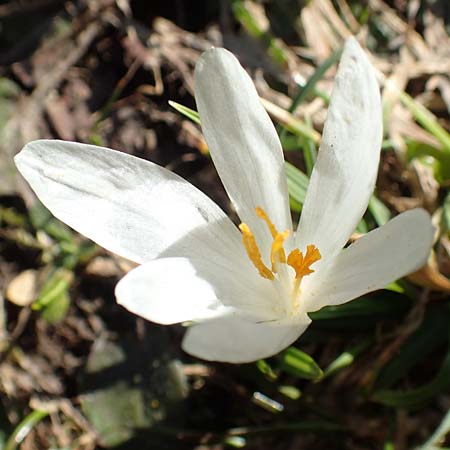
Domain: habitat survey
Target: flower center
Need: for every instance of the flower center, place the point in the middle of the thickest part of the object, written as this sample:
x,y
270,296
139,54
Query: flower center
x,y
301,263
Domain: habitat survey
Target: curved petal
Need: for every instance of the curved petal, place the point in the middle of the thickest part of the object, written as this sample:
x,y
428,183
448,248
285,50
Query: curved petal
x,y
243,143
236,340
344,175
168,291
171,290
378,258
130,206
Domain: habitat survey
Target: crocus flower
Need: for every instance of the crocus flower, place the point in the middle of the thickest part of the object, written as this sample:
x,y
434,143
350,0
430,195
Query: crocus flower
x,y
246,290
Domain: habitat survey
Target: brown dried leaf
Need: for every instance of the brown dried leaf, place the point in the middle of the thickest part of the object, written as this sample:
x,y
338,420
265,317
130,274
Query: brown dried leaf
x,y
430,277
103,266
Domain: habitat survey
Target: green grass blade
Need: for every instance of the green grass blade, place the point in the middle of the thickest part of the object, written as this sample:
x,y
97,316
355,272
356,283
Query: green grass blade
x,y
439,435
427,119
56,285
24,427
301,426
309,86
414,398
297,183
188,112
347,358
375,307
257,30
290,122
432,333
362,227
380,212
309,151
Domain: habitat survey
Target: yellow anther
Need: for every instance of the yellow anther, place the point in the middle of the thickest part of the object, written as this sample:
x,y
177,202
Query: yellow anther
x,y
301,264
253,252
277,254
263,215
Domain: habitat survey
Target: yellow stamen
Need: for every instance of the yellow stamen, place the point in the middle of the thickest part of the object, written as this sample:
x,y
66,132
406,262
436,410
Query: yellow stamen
x,y
277,254
263,215
301,264
253,252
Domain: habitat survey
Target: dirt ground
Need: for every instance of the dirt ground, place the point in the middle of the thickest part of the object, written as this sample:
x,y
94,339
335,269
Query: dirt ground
x,y
81,371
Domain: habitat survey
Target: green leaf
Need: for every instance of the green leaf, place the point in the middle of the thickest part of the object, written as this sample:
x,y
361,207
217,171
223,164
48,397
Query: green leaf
x,y
300,364
291,122
382,304
310,85
309,151
297,183
318,426
42,219
291,392
57,309
264,367
11,217
54,300
294,205
96,139
347,358
436,158
380,212
310,88
235,441
427,120
188,112
362,227
396,286
432,333
245,17
415,398
291,143
56,285
24,427
39,215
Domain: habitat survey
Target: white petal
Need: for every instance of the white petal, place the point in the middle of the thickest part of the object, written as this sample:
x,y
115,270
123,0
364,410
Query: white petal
x,y
235,340
168,291
130,206
345,172
171,290
243,142
378,258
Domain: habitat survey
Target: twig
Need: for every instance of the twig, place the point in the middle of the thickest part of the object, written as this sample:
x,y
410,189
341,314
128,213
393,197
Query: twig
x,y
22,320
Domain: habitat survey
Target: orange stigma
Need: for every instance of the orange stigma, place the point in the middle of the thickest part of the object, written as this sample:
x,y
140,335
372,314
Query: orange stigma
x,y
299,262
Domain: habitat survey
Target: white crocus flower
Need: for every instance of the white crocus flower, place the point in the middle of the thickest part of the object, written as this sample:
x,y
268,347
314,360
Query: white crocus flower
x,y
248,290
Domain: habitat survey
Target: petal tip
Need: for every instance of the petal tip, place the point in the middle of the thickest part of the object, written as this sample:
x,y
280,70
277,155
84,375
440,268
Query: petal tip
x,y
352,44
215,59
354,56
